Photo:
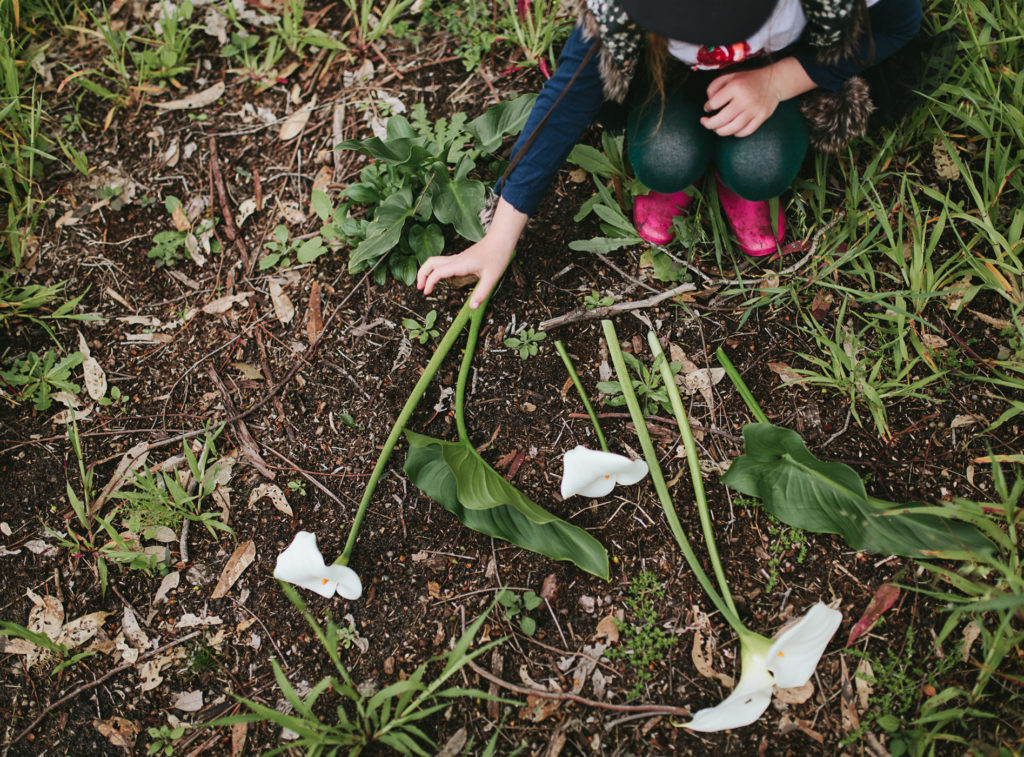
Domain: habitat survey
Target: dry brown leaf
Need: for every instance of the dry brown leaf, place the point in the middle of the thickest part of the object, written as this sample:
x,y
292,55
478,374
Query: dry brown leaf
x,y
296,122
999,323
795,695
314,318
236,565
434,589
46,616
848,699
80,630
933,341
971,633
944,165
277,498
188,701
860,681
677,355
788,724
132,461
65,417
208,96
965,420
701,654
283,308
95,378
454,746
118,731
190,620
539,708
170,582
180,220
608,629
787,374
133,632
149,671
225,303
239,732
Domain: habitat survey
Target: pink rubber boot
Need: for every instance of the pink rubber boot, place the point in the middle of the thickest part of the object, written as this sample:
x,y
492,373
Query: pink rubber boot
x,y
653,214
751,223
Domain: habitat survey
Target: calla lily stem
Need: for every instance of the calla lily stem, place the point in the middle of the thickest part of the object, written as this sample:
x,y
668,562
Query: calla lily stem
x,y
726,608
475,322
443,348
691,457
583,395
734,377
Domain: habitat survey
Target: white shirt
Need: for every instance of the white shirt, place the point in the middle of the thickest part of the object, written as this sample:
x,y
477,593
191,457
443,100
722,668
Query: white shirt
x,y
781,30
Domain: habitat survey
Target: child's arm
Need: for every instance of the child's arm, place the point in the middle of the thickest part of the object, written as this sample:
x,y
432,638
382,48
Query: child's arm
x,y
746,99
487,259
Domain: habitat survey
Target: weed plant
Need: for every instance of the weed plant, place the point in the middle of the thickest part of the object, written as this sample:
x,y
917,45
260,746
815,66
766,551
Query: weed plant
x,y
643,641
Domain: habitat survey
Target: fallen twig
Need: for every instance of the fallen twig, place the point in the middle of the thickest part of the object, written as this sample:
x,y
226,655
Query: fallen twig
x,y
245,440
582,314
225,209
651,709
93,684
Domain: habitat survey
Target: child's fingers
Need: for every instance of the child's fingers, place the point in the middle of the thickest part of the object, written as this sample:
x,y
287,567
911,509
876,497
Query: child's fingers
x,y
721,118
717,83
483,288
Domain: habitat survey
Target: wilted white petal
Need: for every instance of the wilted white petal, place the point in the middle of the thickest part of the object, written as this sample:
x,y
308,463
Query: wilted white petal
x,y
303,565
795,652
746,704
592,473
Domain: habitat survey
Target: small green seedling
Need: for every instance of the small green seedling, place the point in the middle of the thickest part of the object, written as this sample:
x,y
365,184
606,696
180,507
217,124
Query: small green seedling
x,y
527,342
421,331
116,398
595,300
297,486
282,248
644,641
518,606
162,739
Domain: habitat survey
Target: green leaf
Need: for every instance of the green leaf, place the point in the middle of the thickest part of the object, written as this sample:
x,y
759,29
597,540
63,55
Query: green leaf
x,y
458,202
310,250
453,474
426,241
531,601
507,117
802,491
602,244
591,160
528,625
384,231
321,204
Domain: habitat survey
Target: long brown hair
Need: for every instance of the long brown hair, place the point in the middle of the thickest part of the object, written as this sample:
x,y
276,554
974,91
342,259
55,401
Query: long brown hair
x,y
657,69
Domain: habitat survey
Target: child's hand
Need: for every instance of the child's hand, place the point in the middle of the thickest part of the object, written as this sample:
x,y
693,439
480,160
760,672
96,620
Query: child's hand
x,y
487,259
744,101
480,260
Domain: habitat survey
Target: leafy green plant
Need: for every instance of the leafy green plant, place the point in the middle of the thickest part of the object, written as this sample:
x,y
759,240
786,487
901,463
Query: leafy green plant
x,y
34,378
647,385
165,55
163,500
392,718
294,33
420,178
116,399
538,26
476,31
526,342
804,492
517,605
297,486
172,246
894,704
421,331
162,738
643,641
282,248
372,26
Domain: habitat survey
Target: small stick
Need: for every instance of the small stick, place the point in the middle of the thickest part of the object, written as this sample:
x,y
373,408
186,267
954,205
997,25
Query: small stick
x,y
306,475
93,684
245,440
269,373
229,218
582,314
652,709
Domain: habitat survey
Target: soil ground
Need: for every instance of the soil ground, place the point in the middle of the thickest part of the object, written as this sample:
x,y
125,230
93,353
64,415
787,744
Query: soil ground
x,y
424,574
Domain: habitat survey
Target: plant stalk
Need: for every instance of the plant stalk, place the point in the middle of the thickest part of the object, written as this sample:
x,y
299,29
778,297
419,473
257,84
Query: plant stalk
x,y
659,483
691,458
445,345
737,381
583,395
475,322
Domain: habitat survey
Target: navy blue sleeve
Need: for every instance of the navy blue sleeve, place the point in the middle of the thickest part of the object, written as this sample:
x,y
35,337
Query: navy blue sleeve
x,y
528,182
893,24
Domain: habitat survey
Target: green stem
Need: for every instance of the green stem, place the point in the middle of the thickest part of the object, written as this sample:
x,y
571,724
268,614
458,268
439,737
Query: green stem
x,y
691,457
403,417
734,376
583,395
659,483
475,322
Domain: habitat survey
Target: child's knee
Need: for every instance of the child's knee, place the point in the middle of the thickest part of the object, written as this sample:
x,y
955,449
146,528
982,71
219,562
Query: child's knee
x,y
668,148
764,164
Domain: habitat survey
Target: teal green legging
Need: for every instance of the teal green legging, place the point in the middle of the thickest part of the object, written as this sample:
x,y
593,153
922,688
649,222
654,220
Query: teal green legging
x,y
671,155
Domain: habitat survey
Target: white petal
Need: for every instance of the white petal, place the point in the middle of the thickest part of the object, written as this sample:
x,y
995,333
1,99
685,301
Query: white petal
x,y
795,652
746,704
592,473
347,581
303,565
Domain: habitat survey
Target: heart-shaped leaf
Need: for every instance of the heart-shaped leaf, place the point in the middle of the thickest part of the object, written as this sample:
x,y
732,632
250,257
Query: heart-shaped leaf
x,y
453,474
805,492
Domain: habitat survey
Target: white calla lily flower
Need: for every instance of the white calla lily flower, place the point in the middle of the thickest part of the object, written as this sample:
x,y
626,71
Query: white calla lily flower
x,y
303,565
592,473
787,661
